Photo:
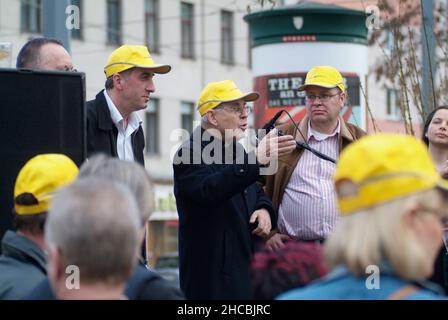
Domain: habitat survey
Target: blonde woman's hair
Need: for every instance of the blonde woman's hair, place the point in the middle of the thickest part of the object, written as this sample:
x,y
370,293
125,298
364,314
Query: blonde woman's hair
x,y
378,234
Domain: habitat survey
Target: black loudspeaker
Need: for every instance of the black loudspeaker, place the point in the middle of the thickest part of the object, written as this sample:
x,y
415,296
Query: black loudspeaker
x,y
40,112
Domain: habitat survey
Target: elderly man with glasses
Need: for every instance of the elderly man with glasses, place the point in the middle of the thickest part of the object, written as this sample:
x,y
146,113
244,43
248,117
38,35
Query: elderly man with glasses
x,y
302,189
221,208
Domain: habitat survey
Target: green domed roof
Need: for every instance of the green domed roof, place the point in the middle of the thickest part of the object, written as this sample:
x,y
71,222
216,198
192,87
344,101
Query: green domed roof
x,y
307,21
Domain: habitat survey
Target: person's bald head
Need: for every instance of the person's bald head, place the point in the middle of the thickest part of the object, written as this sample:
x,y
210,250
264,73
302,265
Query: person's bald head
x,y
44,54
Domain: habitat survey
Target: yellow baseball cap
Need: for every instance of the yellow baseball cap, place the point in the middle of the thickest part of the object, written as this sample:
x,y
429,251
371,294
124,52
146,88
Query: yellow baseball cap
x,y
216,93
127,57
42,176
323,76
383,167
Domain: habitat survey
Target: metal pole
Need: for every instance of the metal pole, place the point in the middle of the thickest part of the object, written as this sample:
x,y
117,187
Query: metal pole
x,y
54,18
202,44
428,57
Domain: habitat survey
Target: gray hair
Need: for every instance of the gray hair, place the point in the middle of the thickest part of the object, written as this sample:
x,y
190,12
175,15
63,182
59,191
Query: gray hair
x,y
131,174
109,84
94,223
204,120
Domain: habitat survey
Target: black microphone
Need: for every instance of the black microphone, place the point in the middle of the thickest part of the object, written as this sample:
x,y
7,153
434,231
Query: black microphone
x,y
270,125
305,146
314,151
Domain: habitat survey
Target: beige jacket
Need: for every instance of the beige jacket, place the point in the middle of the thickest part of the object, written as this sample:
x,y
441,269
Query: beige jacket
x,y
275,184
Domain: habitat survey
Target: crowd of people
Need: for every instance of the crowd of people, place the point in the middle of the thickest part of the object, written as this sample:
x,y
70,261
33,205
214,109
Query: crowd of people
x,y
342,209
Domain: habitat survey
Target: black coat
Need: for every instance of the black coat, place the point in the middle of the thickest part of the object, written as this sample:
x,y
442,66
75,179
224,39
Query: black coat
x,y
215,202
102,133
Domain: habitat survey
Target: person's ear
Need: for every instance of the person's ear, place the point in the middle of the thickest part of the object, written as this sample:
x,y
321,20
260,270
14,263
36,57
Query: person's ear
x,y
54,263
211,117
118,81
410,216
343,97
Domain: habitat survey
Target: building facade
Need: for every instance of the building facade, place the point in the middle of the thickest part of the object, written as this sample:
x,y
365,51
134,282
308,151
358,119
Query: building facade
x,y
203,41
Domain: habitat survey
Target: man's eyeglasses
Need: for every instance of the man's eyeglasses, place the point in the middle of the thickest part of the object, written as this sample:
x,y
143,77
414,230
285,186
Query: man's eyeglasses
x,y
322,97
68,69
235,109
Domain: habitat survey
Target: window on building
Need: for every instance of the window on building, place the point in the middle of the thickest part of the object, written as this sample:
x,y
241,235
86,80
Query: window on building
x,y
152,127
114,22
77,33
227,47
187,115
393,104
31,16
187,29
152,27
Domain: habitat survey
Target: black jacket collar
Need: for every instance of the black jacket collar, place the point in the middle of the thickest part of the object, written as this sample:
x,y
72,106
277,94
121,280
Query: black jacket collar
x,y
104,117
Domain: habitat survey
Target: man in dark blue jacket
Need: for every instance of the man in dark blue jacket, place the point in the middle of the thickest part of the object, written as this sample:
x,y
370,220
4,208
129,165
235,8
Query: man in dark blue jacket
x,y
220,205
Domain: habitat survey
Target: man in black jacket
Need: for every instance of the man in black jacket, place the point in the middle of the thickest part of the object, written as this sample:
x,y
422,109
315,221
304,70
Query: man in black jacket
x,y
218,200
113,126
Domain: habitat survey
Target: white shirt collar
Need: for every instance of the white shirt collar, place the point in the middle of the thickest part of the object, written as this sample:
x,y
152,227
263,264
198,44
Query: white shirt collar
x,y
134,120
322,136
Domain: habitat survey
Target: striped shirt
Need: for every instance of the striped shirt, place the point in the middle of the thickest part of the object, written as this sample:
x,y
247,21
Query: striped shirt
x,y
308,209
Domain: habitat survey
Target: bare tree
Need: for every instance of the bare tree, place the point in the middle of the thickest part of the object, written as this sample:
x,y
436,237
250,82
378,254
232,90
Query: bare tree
x,y
400,66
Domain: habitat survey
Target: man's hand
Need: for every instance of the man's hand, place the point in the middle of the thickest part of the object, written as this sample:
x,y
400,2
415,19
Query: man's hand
x,y
277,241
273,146
264,222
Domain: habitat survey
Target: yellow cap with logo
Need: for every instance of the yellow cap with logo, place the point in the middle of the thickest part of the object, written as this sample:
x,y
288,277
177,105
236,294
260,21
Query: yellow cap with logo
x,y
216,93
383,167
324,76
127,57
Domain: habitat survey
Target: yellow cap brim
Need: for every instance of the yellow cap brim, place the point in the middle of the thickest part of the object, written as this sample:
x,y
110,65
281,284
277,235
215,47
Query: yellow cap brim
x,y
109,70
326,86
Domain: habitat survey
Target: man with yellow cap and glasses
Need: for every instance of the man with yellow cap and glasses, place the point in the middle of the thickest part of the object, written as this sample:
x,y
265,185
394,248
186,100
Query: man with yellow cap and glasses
x,y
392,203
302,190
220,206
113,126
23,262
